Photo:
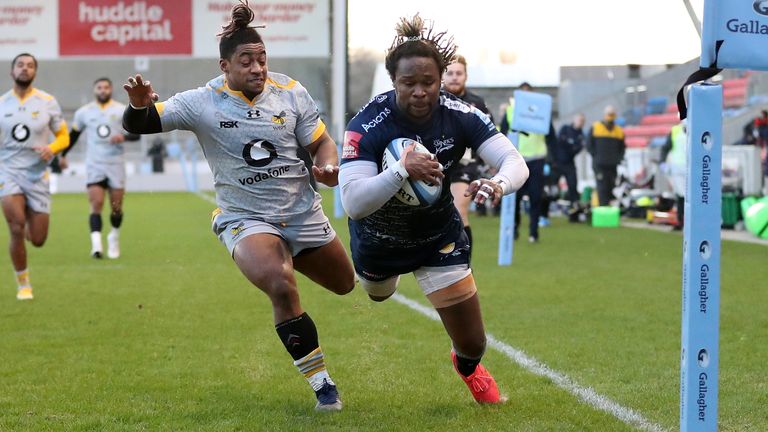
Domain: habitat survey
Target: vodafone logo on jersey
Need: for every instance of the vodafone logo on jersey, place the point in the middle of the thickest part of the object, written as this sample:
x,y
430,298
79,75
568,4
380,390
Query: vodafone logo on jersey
x,y
125,27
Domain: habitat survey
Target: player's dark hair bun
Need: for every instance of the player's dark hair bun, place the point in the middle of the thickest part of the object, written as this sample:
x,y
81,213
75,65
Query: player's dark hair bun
x,y
242,16
415,37
410,28
239,30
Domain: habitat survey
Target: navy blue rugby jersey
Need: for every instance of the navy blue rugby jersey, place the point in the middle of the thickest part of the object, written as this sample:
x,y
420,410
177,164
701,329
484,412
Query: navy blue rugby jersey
x,y
455,126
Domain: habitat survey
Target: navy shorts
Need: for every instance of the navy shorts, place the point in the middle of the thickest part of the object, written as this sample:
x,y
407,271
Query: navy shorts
x,y
447,255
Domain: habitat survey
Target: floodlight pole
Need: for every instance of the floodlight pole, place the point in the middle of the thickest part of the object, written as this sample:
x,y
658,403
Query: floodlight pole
x,y
338,86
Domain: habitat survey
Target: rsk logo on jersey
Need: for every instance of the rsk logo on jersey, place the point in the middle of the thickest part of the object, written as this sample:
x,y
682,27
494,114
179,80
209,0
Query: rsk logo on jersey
x,y
376,120
351,148
228,124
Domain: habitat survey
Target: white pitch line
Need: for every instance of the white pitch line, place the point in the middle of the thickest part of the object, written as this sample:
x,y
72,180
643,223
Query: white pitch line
x,y
206,197
586,394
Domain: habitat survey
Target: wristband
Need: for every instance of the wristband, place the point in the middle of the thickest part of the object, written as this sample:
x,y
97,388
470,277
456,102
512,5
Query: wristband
x,y
137,108
399,170
501,181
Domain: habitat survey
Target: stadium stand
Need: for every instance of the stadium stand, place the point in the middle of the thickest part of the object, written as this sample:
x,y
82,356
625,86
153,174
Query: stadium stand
x,y
655,125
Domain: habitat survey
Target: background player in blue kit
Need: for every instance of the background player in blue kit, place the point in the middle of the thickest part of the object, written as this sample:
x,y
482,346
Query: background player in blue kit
x,y
455,83
250,124
28,117
390,238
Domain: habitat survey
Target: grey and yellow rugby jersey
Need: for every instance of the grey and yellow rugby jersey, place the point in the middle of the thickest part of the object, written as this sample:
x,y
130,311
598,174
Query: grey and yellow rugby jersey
x,y
100,123
25,124
251,146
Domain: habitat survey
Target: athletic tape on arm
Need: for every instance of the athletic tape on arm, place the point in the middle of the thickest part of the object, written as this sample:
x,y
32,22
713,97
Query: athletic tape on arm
x,y
499,152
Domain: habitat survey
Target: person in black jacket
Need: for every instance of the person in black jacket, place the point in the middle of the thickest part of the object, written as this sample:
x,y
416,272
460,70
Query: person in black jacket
x,y
606,145
454,82
570,141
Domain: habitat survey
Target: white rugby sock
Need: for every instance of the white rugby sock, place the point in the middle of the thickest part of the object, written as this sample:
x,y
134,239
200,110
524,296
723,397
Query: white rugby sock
x,y
96,241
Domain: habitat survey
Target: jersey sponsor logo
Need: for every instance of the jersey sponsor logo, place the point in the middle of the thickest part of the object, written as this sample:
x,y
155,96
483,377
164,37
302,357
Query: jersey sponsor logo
x,y
228,124
381,98
351,148
279,118
376,120
8,114
20,132
455,105
252,114
266,175
259,153
34,114
442,145
103,131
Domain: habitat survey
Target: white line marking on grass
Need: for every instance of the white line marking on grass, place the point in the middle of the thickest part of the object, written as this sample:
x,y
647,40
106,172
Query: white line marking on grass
x,y
586,394
206,197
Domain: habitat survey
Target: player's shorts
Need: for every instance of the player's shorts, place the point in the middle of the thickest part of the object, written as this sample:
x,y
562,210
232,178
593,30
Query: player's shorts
x,y
108,176
439,269
36,191
309,230
465,173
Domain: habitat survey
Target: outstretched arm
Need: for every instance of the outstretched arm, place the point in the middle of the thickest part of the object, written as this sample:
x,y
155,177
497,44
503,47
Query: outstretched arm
x,y
141,116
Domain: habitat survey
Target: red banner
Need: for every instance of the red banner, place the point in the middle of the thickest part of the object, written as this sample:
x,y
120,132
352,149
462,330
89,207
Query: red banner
x,y
126,27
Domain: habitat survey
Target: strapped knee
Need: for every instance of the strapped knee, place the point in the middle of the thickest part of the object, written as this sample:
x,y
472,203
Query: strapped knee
x,y
453,294
381,289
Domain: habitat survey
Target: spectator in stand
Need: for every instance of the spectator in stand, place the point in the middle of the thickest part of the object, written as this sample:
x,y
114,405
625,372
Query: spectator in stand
x,y
606,145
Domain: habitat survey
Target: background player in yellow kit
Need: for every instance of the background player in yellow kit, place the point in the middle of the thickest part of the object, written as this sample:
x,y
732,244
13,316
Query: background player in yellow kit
x,y
28,116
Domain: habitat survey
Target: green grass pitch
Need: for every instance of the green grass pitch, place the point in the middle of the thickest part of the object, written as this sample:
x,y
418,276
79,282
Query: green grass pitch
x,y
171,337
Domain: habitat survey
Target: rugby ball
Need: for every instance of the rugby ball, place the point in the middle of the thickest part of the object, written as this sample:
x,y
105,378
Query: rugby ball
x,y
413,193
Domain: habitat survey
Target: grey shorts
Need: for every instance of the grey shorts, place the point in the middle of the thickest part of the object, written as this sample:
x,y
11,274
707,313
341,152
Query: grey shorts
x,y
113,175
309,230
37,191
